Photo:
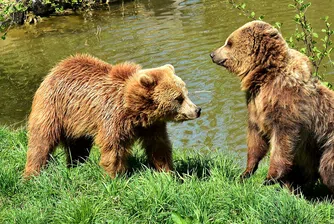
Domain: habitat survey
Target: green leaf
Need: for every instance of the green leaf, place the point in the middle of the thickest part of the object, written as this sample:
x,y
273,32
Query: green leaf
x,y
327,84
252,14
305,6
291,39
315,35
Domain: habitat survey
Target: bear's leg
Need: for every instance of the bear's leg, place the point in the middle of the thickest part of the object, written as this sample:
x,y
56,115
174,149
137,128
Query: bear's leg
x,y
326,168
257,148
305,170
283,143
114,161
158,147
115,144
42,142
295,180
77,149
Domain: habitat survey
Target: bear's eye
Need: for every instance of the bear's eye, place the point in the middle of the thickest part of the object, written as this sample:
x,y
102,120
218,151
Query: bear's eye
x,y
179,99
229,43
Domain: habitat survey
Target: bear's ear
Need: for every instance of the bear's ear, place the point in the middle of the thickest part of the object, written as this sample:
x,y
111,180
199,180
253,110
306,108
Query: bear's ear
x,y
147,81
171,67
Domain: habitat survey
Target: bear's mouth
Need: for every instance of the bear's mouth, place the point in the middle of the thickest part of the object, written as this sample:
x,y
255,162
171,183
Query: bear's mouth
x,y
222,62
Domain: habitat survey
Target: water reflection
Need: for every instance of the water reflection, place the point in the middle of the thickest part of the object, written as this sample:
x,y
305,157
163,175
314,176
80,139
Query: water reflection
x,y
151,33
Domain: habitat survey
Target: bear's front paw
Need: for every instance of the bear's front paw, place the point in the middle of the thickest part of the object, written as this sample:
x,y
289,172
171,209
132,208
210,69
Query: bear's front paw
x,y
245,175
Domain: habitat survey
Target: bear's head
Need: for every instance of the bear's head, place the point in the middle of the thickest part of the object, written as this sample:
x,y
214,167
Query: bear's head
x,y
254,46
157,94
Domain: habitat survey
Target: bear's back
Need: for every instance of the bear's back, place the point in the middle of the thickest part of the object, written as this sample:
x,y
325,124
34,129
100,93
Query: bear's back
x,y
76,85
80,67
83,69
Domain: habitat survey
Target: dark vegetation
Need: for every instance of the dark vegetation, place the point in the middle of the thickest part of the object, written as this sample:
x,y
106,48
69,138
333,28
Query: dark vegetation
x,y
30,11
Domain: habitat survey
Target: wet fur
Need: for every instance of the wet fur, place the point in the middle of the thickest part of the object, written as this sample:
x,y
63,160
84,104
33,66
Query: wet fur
x,y
85,100
289,112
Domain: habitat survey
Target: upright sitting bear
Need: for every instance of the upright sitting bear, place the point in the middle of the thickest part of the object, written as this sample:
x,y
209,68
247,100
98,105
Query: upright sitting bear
x,y
84,99
289,112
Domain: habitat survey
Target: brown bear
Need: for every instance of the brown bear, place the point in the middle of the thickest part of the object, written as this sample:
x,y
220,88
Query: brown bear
x,y
84,99
288,110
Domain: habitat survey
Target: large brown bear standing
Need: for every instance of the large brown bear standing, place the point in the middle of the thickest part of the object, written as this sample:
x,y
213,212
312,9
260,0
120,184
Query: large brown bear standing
x,y
287,108
85,99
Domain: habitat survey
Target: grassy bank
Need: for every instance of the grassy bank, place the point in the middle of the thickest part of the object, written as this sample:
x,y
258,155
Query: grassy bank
x,y
205,189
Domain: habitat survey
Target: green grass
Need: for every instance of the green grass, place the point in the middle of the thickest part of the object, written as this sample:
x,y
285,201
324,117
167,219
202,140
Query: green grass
x,y
204,189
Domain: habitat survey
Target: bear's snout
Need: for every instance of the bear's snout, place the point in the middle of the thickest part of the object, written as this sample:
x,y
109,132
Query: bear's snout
x,y
212,55
188,111
218,59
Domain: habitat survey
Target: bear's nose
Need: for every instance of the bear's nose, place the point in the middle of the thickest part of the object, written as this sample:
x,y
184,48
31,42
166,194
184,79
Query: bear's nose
x,y
212,55
198,111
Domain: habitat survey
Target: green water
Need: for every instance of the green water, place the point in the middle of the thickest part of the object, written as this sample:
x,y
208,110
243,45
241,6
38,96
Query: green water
x,y
151,33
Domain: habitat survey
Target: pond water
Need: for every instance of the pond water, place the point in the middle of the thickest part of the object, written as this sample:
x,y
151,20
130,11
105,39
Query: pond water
x,y
151,33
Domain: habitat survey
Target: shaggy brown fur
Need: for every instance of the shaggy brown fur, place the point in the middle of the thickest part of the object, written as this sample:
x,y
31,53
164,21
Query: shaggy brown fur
x,y
85,99
287,108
